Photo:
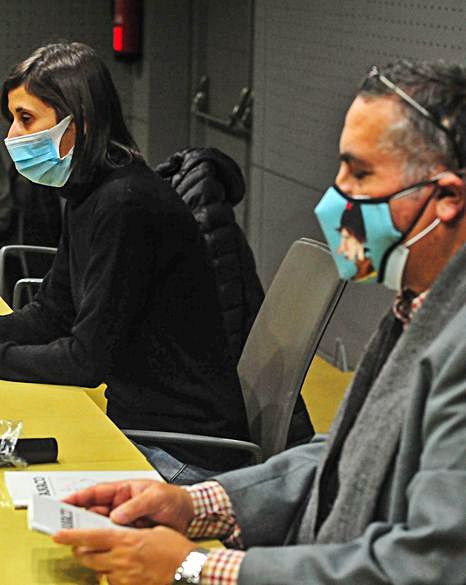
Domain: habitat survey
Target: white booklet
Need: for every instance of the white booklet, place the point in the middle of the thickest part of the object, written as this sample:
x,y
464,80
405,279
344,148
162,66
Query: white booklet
x,y
49,515
22,485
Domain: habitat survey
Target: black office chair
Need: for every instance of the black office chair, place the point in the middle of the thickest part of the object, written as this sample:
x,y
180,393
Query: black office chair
x,y
280,347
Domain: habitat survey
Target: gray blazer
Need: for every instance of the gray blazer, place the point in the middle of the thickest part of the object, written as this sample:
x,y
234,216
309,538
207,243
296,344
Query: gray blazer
x,y
414,528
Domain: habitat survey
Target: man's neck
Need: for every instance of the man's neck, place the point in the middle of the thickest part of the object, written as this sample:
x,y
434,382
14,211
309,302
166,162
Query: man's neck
x,y
429,256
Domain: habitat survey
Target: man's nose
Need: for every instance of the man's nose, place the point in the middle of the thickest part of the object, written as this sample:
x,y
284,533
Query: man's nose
x,y
344,180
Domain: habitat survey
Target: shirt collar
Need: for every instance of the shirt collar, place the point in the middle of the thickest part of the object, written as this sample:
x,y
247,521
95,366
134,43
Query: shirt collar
x,y
407,304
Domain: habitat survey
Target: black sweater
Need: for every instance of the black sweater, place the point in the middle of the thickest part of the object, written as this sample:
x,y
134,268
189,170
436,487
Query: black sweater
x,y
131,301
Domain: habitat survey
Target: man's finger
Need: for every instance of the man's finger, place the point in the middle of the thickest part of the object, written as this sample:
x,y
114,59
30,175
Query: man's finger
x,y
122,494
100,494
141,505
102,510
96,540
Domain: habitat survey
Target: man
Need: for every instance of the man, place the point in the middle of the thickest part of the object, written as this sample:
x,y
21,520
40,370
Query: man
x,y
383,500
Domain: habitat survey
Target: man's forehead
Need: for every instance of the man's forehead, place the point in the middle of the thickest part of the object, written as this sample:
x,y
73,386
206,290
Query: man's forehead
x,y
365,124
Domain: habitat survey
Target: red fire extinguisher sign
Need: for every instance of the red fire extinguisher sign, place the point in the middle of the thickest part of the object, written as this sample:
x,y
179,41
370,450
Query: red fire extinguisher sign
x,y
127,29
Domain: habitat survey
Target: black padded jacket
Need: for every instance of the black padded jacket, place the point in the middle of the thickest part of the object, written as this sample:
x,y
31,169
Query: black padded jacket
x,y
211,184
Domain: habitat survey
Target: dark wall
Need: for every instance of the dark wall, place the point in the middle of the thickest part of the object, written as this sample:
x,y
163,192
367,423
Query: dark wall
x,y
161,81
222,49
26,25
154,91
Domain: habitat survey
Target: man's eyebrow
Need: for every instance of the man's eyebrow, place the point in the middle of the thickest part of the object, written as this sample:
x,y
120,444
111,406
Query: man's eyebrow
x,y
350,158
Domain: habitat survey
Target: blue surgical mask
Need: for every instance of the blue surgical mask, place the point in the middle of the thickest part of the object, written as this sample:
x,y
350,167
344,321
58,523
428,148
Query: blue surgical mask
x,y
37,156
361,234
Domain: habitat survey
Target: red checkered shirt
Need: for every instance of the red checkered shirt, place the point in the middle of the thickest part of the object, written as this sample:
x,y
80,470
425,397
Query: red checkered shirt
x,y
214,518
406,305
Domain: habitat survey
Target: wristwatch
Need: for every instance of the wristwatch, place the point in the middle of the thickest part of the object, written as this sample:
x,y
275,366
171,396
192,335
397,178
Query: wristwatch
x,y
189,571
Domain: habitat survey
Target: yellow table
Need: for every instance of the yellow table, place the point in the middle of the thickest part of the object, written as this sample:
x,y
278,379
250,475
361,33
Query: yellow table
x,y
323,390
87,439
4,308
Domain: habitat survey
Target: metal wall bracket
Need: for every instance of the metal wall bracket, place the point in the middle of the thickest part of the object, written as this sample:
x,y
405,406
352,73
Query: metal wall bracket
x,y
239,122
341,359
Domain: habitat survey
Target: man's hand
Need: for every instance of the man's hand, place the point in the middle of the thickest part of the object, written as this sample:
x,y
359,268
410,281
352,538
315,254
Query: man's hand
x,y
140,503
129,557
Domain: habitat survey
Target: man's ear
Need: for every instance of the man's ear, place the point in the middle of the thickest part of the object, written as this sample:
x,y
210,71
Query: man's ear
x,y
450,200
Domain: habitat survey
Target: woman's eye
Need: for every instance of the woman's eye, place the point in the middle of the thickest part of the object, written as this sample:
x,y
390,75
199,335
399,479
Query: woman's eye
x,y
25,118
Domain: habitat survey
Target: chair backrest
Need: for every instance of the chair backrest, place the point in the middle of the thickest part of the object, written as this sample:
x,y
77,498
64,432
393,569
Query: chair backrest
x,y
284,339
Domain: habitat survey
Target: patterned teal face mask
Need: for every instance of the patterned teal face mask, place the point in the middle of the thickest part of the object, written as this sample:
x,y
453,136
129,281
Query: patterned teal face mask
x,y
361,235
37,156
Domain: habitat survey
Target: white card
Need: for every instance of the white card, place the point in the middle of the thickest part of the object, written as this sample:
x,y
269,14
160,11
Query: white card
x,y
49,515
22,485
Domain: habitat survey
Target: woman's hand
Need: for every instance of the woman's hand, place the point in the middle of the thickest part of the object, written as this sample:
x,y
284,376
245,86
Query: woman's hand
x,y
139,503
129,557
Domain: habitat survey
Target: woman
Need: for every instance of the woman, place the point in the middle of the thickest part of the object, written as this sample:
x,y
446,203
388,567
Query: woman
x,y
130,299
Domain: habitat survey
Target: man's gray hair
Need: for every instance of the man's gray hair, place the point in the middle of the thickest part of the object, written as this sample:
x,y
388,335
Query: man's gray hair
x,y
439,88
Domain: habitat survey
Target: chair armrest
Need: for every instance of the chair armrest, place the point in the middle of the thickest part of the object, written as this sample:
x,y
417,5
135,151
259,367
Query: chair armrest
x,y
27,248
18,289
5,250
200,440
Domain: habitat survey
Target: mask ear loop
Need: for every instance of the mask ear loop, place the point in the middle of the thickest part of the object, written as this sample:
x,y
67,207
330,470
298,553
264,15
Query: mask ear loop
x,y
366,200
422,233
383,262
57,134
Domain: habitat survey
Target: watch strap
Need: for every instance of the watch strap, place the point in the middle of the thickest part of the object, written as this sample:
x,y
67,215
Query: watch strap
x,y
189,572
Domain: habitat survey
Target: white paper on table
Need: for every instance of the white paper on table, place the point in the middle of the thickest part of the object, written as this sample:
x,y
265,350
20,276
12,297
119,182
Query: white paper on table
x,y
49,515
22,485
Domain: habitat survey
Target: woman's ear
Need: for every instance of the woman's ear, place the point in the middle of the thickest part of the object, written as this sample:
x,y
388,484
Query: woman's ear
x,y
450,200
68,139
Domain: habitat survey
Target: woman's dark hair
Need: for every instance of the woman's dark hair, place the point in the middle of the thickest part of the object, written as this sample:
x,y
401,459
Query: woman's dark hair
x,y
72,79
